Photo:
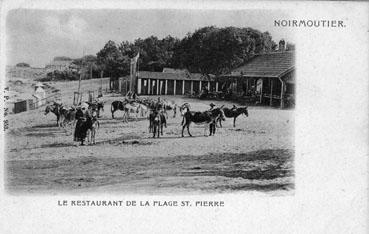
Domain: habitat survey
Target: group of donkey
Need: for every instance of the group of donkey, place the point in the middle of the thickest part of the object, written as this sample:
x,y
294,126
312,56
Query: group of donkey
x,y
210,118
66,116
157,112
141,107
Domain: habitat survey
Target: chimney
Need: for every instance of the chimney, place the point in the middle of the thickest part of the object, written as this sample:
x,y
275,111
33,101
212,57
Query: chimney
x,y
282,45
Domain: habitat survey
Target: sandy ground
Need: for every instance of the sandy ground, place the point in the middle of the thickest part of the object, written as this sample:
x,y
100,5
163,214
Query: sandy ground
x,y
256,155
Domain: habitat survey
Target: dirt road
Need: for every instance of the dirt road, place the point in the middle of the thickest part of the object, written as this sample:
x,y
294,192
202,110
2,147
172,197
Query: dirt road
x,y
256,155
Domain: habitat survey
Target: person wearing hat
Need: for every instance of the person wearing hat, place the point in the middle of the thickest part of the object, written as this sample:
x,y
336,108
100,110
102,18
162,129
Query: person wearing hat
x,y
80,131
159,104
211,106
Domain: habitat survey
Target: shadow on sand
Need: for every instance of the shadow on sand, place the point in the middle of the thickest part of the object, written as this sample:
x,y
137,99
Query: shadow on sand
x,y
263,170
53,125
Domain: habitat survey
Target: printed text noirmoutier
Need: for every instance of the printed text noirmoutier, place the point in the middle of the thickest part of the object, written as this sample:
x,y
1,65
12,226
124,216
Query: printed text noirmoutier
x,y
309,23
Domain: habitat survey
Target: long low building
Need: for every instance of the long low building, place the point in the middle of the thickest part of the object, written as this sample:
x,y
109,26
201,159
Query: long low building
x,y
173,83
270,77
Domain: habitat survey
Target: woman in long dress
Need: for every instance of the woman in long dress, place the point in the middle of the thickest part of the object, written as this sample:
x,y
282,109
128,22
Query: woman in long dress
x,y
80,132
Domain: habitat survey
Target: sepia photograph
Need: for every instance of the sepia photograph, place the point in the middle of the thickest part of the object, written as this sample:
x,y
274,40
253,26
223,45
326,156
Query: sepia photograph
x,y
149,101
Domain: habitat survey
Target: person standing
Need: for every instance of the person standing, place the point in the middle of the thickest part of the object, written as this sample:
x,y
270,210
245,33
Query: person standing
x,y
212,105
80,131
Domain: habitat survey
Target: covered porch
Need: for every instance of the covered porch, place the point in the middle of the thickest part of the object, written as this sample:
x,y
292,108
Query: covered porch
x,y
272,91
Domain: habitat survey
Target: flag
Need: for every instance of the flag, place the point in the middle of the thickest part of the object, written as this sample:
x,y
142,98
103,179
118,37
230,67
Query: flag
x,y
135,59
133,71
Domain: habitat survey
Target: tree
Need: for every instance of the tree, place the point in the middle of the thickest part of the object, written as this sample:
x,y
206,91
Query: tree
x,y
155,54
112,60
209,50
62,58
87,66
212,50
110,56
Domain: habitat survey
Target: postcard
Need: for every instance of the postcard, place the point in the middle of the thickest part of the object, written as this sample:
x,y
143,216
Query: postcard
x,y
184,117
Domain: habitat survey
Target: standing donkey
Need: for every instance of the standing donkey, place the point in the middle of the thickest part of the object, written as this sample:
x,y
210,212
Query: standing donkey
x,y
234,112
56,109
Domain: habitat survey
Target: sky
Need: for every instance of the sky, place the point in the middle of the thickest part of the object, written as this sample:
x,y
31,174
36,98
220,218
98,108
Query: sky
x,y
37,36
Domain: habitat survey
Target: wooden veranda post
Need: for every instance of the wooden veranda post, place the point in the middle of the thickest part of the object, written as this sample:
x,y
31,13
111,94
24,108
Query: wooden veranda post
x,y
247,86
282,92
157,87
271,92
166,87
261,91
175,86
149,86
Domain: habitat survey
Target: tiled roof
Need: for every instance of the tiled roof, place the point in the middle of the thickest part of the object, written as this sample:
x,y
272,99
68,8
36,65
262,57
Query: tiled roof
x,y
171,76
267,65
173,70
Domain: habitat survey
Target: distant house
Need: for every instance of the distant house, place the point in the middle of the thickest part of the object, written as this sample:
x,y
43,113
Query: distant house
x,y
40,94
24,73
59,65
271,77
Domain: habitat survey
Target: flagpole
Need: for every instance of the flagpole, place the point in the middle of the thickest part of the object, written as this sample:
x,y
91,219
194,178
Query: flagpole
x,y
138,63
137,72
80,74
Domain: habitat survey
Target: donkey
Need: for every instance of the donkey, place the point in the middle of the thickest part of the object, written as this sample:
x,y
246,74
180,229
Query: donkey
x,y
98,106
157,122
92,125
208,118
117,105
56,109
68,115
170,105
133,108
234,112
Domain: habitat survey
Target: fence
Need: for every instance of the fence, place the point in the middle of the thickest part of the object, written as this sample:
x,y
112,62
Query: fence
x,y
31,104
55,97
91,96
120,85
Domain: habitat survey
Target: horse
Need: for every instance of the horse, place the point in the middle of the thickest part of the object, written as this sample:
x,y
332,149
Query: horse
x,y
208,118
157,121
234,112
